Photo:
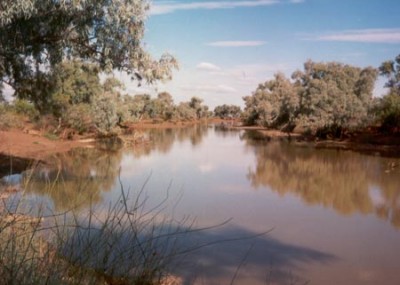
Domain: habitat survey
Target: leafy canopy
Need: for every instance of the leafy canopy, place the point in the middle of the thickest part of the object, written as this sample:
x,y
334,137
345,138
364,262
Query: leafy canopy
x,y
388,109
36,35
331,96
391,70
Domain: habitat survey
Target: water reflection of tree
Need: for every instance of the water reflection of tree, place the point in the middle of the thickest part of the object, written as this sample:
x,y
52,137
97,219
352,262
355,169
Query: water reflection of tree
x,y
194,133
225,130
77,178
162,140
345,181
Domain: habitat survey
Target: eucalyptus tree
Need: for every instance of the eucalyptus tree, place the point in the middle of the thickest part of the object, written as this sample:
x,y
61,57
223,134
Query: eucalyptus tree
x,y
388,109
74,82
334,95
36,35
197,105
165,105
273,104
227,111
391,70
324,96
185,112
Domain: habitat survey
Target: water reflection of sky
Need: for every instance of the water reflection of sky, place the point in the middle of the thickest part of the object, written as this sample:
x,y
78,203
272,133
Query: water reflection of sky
x,y
334,215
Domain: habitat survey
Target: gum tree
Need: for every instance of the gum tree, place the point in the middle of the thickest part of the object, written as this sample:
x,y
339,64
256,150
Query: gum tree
x,y
323,98
36,35
334,96
391,70
273,104
389,105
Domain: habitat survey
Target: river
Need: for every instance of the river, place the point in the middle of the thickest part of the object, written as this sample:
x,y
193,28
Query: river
x,y
283,214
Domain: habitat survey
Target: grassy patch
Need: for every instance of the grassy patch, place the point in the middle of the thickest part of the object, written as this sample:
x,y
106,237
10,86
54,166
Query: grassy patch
x,y
125,243
51,136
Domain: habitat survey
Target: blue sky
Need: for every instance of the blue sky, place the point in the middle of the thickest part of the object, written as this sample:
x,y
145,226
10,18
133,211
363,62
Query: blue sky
x,y
226,48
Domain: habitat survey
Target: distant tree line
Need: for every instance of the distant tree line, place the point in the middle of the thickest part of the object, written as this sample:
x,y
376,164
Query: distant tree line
x,y
227,111
326,98
80,101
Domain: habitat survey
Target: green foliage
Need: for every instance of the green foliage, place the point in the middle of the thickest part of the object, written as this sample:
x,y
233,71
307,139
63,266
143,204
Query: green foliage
x,y
78,117
325,96
165,105
273,104
74,83
391,70
36,35
389,112
185,112
138,106
78,81
8,118
197,105
227,111
104,113
112,84
334,95
24,107
388,109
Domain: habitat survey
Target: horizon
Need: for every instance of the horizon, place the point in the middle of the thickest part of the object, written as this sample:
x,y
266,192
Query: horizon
x,y
226,48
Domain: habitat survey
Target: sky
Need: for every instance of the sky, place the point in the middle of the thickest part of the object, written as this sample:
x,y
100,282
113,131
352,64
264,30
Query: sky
x,y
225,48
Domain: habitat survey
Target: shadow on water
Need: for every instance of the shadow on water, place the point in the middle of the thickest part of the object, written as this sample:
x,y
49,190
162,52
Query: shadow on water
x,y
341,180
276,260
209,254
13,165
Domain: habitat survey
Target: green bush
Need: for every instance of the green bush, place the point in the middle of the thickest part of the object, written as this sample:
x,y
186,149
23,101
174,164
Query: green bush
x,y
8,118
120,244
24,107
389,113
78,117
105,116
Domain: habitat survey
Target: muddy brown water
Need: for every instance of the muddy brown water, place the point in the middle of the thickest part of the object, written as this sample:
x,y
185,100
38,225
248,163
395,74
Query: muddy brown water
x,y
332,216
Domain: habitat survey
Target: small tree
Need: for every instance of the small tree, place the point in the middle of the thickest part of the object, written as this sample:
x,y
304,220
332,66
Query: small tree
x,y
166,106
185,112
388,109
104,113
227,111
197,105
391,70
273,104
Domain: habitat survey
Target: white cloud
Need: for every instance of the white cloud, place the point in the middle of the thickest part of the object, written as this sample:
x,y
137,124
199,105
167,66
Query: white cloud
x,y
225,86
207,66
211,88
391,36
206,167
236,43
296,1
166,7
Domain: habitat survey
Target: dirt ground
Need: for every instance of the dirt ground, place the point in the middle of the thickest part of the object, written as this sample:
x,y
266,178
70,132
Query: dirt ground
x,y
33,145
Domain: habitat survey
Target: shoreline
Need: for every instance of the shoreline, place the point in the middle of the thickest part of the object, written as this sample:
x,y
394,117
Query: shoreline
x,y
364,142
34,146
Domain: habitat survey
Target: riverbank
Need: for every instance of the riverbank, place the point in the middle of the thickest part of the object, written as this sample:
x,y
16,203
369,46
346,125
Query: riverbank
x,y
32,145
367,142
